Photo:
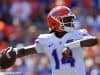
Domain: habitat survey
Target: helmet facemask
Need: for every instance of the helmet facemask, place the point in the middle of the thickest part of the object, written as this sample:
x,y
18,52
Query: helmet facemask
x,y
68,23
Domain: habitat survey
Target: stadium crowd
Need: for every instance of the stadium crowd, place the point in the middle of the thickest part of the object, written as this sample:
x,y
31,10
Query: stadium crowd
x,y
21,21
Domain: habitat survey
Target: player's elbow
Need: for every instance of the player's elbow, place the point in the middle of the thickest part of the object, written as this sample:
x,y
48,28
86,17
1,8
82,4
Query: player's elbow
x,y
89,42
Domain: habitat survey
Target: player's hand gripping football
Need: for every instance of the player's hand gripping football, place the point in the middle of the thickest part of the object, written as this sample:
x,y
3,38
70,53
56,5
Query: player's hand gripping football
x,y
66,54
7,58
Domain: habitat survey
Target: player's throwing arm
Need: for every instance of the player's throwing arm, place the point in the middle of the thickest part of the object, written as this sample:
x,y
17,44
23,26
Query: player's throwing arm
x,y
25,51
9,55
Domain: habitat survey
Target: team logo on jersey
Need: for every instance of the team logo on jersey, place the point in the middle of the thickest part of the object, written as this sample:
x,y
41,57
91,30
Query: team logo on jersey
x,y
50,45
60,42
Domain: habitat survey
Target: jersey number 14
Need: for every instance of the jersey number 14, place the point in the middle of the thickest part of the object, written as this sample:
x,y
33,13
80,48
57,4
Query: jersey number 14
x,y
63,61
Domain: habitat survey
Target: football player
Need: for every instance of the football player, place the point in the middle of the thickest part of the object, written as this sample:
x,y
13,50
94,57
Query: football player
x,y
63,45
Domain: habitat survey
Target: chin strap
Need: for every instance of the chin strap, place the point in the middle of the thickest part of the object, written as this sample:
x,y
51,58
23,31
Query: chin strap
x,y
68,29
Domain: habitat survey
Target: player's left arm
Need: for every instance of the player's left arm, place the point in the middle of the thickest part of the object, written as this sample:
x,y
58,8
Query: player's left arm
x,y
87,40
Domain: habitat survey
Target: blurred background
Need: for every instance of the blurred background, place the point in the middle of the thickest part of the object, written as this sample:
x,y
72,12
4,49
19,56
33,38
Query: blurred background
x,y
21,21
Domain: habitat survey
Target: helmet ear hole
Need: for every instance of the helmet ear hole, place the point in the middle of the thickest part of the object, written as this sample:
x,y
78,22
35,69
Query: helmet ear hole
x,y
53,23
53,26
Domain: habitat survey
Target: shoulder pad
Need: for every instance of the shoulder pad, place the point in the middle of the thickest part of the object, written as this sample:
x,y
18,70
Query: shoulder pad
x,y
83,30
43,38
44,35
